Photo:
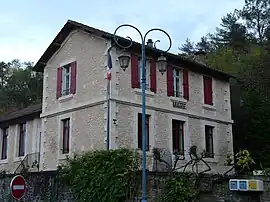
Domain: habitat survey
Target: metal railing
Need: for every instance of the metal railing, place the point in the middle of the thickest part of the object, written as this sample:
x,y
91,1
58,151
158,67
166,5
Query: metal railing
x,y
30,161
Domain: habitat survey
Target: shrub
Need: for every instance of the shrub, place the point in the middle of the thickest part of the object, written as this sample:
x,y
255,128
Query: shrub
x,y
104,176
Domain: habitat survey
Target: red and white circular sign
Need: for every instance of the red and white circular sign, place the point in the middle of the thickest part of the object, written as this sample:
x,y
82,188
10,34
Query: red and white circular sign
x,y
18,187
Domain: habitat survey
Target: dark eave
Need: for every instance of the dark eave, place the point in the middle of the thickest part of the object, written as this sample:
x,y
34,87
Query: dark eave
x,y
21,116
175,59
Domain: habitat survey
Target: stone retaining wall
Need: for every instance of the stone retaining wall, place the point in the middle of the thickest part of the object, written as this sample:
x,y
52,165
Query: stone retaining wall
x,y
45,187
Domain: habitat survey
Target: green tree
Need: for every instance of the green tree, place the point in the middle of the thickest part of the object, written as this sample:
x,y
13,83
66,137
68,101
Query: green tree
x,y
241,48
187,47
256,14
19,86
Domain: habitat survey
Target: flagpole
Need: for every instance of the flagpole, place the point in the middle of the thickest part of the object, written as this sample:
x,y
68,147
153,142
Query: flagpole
x,y
108,112
108,96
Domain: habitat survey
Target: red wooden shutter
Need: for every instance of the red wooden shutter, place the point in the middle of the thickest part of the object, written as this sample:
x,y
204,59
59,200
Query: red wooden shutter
x,y
153,81
205,90
139,131
73,77
148,131
185,84
59,82
169,81
68,134
175,136
210,92
208,95
64,137
134,71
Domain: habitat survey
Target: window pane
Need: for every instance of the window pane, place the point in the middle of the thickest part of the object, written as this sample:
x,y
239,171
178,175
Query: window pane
x,y
66,131
66,80
4,143
176,82
178,136
22,139
181,137
147,73
209,148
140,131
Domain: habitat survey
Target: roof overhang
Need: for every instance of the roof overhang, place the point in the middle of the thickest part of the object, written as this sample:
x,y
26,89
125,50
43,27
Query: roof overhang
x,y
172,58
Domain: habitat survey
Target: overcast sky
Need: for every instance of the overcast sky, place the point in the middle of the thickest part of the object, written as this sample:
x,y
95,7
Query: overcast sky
x,y
27,27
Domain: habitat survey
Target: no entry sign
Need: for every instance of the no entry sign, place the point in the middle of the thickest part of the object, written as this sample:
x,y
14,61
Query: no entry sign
x,y
18,187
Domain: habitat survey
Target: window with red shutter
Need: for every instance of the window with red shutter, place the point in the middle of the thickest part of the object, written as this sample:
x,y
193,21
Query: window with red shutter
x,y
134,71
66,79
148,77
177,92
140,131
178,136
169,81
208,91
65,135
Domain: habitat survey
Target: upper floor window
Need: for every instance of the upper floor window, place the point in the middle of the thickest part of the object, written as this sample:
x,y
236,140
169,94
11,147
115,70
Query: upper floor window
x,y
136,73
177,86
147,74
66,80
209,142
22,139
140,131
178,136
177,82
208,90
65,135
4,149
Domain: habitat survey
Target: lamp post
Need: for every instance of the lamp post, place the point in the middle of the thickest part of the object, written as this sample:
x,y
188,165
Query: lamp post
x,y
124,60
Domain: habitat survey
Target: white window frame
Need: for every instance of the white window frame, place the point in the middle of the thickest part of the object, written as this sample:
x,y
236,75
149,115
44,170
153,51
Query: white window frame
x,y
64,79
205,137
147,74
17,157
60,136
1,142
187,136
183,123
180,83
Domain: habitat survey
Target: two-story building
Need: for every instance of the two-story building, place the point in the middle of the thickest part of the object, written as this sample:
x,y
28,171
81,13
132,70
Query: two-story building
x,y
188,105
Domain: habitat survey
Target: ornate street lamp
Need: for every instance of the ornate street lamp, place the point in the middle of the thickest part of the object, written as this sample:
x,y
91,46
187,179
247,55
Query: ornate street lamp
x,y
124,60
162,64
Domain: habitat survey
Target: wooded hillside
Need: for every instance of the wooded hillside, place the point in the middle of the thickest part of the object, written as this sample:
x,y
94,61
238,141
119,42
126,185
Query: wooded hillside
x,y
240,46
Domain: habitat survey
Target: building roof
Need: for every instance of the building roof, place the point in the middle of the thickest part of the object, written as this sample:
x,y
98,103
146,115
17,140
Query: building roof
x,y
26,112
72,25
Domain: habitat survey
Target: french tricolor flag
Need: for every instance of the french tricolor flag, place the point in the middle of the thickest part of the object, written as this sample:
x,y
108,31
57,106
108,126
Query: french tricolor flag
x,y
109,67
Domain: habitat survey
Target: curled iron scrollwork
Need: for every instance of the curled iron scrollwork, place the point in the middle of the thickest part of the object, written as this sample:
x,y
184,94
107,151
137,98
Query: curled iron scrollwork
x,y
143,38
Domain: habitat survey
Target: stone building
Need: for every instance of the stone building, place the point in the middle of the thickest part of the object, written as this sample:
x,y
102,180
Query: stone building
x,y
188,105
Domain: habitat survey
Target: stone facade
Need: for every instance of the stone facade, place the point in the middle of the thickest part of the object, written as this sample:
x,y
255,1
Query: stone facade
x,y
87,108
32,141
126,104
88,126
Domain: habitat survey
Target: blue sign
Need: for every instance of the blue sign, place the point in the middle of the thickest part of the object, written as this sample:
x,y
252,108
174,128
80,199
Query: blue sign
x,y
243,185
233,185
